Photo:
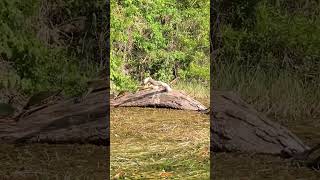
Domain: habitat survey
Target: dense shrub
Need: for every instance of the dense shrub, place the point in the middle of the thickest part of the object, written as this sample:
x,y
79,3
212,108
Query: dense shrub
x,y
272,57
276,41
163,39
47,44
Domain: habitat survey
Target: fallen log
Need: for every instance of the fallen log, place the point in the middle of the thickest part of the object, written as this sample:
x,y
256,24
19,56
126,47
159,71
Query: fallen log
x,y
237,126
62,122
158,99
86,121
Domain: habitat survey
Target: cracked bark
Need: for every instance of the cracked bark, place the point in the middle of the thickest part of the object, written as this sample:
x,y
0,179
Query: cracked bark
x,y
160,99
86,121
235,125
248,130
63,122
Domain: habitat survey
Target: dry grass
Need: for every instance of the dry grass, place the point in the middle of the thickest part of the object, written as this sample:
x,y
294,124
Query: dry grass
x,y
41,161
159,143
279,94
197,90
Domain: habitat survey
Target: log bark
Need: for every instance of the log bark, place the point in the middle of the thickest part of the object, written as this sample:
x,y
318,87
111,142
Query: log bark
x,y
159,99
237,126
84,122
63,122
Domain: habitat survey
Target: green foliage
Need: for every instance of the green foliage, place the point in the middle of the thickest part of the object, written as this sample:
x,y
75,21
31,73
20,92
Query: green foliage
x,y
276,41
237,13
88,43
42,65
275,61
121,81
159,38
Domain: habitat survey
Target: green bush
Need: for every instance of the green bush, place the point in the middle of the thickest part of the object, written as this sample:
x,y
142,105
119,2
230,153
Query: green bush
x,y
42,65
163,39
277,40
274,62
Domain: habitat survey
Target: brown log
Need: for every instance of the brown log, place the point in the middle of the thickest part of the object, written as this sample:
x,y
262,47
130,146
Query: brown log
x,y
63,122
160,99
86,121
237,126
